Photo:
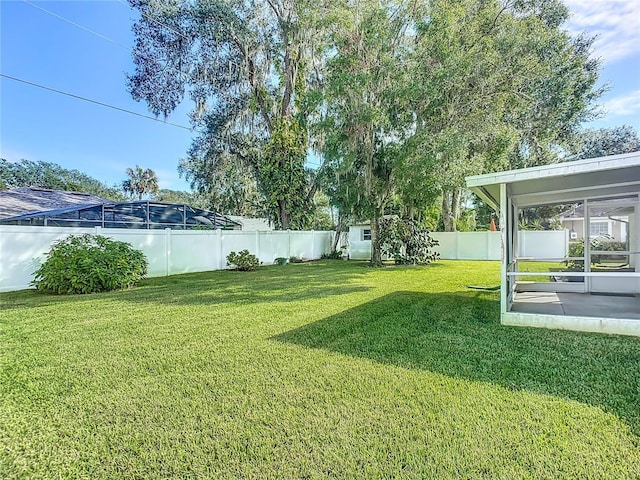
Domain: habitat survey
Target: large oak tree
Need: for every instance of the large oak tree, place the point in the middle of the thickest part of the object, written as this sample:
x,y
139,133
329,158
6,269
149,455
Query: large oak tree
x,y
247,67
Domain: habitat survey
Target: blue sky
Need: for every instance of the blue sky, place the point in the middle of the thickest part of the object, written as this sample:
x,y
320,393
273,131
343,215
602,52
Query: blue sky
x,y
42,48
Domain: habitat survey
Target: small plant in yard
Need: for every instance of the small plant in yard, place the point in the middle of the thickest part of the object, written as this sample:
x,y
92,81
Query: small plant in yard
x,y
88,264
294,259
280,261
243,261
335,255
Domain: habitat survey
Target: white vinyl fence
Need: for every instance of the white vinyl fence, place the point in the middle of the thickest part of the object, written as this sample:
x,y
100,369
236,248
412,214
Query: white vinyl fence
x,y
169,252
484,245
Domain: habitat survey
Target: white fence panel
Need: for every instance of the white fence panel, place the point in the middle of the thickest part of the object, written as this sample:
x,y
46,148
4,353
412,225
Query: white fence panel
x,y
153,243
169,252
543,243
22,253
192,251
302,245
235,241
273,244
468,245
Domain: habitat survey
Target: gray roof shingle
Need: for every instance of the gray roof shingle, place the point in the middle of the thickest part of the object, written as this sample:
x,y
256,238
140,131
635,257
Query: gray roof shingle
x,y
26,200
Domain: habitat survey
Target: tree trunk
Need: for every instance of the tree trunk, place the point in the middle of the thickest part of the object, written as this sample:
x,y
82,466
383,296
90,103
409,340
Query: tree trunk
x,y
283,214
455,206
451,208
447,216
376,253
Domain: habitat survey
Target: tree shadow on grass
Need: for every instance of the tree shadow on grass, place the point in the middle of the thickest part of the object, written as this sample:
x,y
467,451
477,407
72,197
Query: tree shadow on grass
x,y
459,335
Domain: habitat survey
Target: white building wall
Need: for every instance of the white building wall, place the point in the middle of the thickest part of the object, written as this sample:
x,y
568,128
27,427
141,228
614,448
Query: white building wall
x,y
169,252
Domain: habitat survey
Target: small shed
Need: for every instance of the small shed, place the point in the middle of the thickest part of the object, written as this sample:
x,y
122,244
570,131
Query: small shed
x,y
359,241
593,288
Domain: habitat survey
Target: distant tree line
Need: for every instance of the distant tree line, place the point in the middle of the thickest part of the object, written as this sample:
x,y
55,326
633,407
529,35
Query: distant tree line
x,y
40,174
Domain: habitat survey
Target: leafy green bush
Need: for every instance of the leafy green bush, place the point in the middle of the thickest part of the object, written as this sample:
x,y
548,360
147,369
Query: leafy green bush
x,y
602,243
90,263
280,261
335,255
407,242
243,261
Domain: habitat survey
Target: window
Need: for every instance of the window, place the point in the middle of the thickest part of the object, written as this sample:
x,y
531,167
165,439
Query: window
x,y
598,228
366,234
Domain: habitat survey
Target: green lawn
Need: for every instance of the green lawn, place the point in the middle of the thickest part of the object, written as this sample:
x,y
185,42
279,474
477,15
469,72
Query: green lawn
x,y
324,369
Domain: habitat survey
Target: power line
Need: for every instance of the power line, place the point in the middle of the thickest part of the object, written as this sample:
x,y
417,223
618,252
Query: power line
x,y
44,87
64,19
222,93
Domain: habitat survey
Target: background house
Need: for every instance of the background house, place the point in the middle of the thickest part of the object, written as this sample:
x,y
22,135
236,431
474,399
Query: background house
x,y
612,221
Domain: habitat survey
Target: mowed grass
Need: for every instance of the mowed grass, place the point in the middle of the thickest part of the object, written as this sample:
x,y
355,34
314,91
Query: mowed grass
x,y
318,370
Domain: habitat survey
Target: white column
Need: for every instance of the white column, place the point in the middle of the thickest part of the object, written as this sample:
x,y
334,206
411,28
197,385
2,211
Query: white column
x,y
503,249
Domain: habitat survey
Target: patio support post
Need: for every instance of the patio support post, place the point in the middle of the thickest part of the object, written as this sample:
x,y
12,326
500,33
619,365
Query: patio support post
x,y
504,249
587,246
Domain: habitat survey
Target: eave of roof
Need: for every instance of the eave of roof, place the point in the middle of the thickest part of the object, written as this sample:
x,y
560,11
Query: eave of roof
x,y
615,175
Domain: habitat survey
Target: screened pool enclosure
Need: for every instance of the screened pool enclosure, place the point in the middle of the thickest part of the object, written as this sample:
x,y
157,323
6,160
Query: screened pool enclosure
x,y
137,214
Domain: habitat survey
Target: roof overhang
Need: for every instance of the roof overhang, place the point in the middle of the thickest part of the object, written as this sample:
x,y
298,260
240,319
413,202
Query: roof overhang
x,y
563,182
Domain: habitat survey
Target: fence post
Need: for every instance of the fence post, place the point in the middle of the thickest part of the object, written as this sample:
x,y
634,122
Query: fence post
x,y
167,251
258,244
313,244
488,237
456,239
98,229
288,243
219,247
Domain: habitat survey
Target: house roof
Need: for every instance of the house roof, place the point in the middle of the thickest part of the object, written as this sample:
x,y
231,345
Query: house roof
x,y
562,182
613,207
26,200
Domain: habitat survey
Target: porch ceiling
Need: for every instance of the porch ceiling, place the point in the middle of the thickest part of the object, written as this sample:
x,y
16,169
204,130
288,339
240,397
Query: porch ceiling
x,y
563,182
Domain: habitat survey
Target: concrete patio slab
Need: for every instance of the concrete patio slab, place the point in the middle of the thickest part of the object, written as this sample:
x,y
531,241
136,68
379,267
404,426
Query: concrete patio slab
x,y
577,304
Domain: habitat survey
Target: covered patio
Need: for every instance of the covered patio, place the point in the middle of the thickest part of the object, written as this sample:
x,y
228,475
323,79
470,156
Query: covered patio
x,y
590,282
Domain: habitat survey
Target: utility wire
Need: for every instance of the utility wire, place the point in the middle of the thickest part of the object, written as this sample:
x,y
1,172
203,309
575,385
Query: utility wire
x,y
222,93
64,19
44,87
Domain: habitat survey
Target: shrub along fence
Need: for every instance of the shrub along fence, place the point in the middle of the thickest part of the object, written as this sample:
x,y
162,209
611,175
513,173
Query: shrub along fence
x,y
169,252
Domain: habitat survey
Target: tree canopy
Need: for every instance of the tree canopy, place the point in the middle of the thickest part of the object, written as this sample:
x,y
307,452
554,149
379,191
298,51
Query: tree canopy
x,y
418,95
141,181
608,141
